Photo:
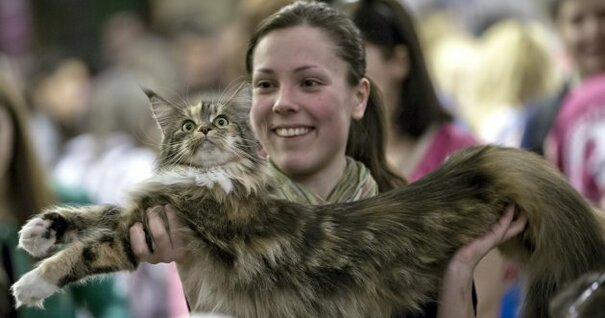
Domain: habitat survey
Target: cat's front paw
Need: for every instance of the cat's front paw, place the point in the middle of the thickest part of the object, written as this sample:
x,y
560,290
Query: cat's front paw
x,y
32,289
37,237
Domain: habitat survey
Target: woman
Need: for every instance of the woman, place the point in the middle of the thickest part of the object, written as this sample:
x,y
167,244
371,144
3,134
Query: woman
x,y
319,121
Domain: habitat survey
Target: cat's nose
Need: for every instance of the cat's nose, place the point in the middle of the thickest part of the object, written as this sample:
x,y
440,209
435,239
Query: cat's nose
x,y
205,130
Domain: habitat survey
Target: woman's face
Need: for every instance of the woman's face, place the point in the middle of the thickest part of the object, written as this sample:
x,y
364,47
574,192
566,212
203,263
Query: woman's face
x,y
582,25
6,141
302,104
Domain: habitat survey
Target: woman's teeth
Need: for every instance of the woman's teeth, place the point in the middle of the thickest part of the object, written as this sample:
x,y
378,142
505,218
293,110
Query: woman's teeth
x,y
291,132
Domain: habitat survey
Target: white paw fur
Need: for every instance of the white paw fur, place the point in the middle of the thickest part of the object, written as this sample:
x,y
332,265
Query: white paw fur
x,y
31,237
31,290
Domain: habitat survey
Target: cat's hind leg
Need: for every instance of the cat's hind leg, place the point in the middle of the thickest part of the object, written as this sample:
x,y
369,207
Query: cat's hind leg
x,y
58,226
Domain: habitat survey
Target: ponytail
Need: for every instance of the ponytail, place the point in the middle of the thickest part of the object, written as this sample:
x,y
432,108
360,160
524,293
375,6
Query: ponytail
x,y
367,143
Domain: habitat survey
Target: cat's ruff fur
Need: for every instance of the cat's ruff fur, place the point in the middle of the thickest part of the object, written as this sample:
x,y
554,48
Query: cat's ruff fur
x,y
251,254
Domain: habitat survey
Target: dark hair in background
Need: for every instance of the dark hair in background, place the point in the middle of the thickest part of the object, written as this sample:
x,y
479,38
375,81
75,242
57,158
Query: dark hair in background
x,y
387,24
28,190
367,137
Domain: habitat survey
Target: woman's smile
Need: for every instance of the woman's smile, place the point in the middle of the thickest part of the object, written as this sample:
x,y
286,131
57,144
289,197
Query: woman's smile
x,y
292,131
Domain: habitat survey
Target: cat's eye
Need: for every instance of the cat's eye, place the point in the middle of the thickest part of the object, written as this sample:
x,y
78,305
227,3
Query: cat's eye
x,y
221,122
188,126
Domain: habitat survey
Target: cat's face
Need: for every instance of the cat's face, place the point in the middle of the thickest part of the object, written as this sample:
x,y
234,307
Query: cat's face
x,y
205,134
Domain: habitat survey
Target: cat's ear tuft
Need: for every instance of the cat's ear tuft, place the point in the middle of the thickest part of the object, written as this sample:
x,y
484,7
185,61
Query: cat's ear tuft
x,y
163,112
242,96
150,93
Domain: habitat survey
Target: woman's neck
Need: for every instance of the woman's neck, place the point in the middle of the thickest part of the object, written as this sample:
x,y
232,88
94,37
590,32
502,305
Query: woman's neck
x,y
323,182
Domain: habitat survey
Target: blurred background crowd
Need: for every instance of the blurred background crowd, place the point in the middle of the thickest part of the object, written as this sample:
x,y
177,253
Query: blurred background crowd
x,y
71,73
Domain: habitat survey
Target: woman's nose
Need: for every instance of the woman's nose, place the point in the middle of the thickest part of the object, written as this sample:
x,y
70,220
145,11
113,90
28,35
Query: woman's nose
x,y
285,102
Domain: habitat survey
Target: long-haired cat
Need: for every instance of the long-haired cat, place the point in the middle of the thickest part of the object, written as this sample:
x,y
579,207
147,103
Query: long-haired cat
x,y
252,254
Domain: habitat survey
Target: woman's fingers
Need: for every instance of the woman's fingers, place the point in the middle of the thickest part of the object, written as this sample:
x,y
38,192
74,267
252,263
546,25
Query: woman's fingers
x,y
137,242
163,248
159,232
504,229
176,233
517,226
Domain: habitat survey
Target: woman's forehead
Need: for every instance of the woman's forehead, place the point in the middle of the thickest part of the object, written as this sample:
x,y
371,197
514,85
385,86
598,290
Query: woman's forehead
x,y
294,48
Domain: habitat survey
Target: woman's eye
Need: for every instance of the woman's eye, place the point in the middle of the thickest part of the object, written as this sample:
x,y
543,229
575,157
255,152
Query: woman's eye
x,y
263,84
310,83
221,122
188,126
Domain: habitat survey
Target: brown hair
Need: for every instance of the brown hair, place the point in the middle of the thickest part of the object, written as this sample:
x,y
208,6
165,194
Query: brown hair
x,y
28,188
367,141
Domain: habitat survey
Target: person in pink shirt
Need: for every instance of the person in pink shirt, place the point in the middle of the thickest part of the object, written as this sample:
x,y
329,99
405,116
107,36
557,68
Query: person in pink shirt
x,y
421,133
576,142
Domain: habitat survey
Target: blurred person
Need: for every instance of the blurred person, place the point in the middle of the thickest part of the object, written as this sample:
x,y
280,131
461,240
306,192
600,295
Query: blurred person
x,y
129,44
24,191
514,67
421,134
576,141
118,32
580,25
58,92
200,56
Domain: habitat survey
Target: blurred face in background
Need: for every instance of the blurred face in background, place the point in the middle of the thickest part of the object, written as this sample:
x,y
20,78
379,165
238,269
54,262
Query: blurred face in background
x,y
388,71
582,26
64,94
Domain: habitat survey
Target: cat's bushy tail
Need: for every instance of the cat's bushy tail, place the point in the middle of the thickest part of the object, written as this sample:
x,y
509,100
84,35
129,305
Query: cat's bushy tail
x,y
563,238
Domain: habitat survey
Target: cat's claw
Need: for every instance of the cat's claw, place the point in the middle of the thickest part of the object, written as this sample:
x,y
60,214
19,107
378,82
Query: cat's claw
x,y
37,238
31,290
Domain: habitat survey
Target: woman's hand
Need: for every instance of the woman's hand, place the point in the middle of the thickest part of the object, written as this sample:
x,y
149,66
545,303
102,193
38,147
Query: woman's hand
x,y
167,246
456,293
469,256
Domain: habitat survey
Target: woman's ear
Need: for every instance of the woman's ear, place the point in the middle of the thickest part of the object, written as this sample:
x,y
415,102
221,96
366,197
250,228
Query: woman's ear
x,y
361,98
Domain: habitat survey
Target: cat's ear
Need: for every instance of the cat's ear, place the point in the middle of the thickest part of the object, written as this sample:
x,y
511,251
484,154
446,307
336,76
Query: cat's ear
x,y
162,110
